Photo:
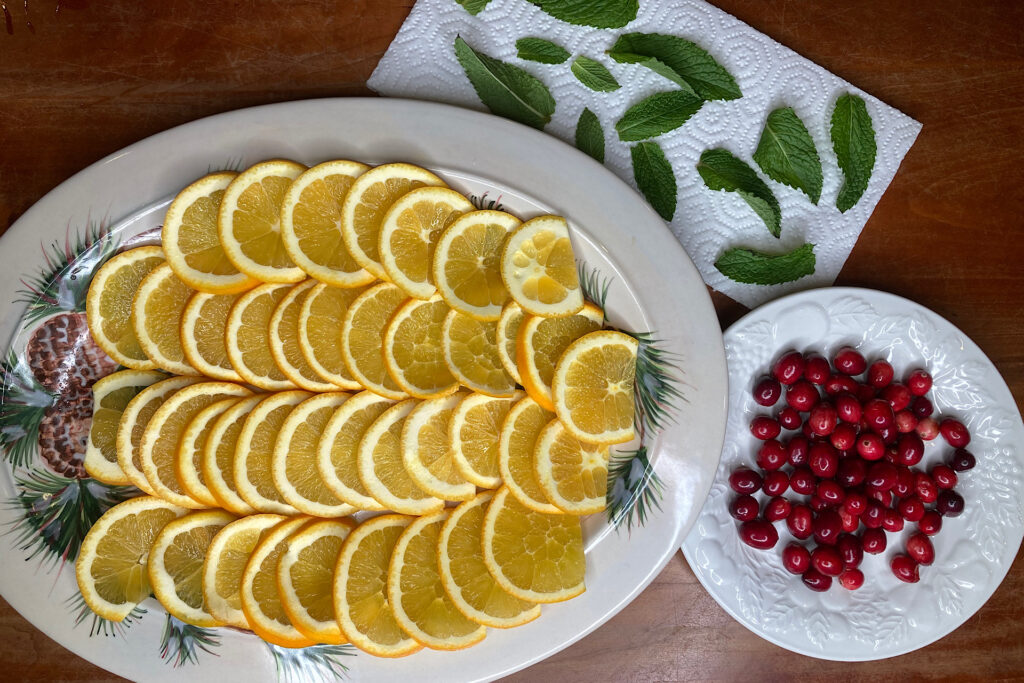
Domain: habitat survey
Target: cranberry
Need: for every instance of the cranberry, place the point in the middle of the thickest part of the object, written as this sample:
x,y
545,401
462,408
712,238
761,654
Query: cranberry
x,y
818,504
919,382
806,430
831,492
855,503
789,418
889,434
925,488
922,407
950,503
850,548
802,396
796,558
962,460
931,523
906,422
817,581
789,368
771,455
802,481
849,361
764,428
776,509
928,428
827,560
745,480
871,447
879,414
816,369
823,419
837,384
882,476
847,408
878,495
759,534
796,450
851,471
865,392
823,460
892,522
800,522
911,508
873,541
954,432
827,526
744,508
851,579
880,374
874,515
905,569
767,391
920,548
898,396
904,482
849,522
775,483
944,476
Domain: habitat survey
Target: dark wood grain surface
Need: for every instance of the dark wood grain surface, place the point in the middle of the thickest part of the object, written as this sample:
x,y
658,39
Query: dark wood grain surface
x,y
84,81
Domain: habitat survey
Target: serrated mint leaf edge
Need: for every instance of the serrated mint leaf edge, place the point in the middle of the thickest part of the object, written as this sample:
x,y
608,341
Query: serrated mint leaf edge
x,y
612,19
648,161
803,144
590,135
594,74
725,88
549,52
751,267
640,121
754,191
853,187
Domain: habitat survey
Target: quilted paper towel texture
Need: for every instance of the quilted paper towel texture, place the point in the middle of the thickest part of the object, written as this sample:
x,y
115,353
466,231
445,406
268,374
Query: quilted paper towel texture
x,y
421,64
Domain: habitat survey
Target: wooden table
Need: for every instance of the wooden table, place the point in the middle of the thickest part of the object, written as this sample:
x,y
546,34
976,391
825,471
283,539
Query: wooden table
x,y
93,77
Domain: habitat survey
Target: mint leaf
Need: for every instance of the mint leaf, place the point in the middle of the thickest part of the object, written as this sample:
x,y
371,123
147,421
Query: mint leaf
x,y
594,75
853,139
755,268
506,90
657,114
787,155
654,176
540,50
722,171
681,61
590,135
596,13
474,7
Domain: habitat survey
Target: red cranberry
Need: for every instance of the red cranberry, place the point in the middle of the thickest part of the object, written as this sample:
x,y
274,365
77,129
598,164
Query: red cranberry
x,y
802,481
851,471
950,503
892,522
883,497
789,368
962,460
873,541
777,508
797,450
871,447
849,522
954,432
817,581
882,476
928,428
922,407
823,460
931,523
904,482
889,434
906,422
844,437
879,414
850,548
775,483
827,560
905,569
874,515
880,374
816,369
909,449
837,384
744,508
855,503
847,408
767,391
831,492
802,396
745,480
849,361
919,382
764,428
818,504
944,476
865,392
759,534
925,488
771,455
823,419
806,430
789,418
911,508
898,396
800,522
827,526
851,579
796,558
920,549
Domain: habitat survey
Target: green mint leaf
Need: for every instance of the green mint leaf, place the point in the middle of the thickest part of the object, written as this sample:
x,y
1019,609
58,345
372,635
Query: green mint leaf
x,y
853,139
590,135
654,176
594,75
754,268
657,114
596,13
474,7
787,155
681,61
540,50
722,171
506,90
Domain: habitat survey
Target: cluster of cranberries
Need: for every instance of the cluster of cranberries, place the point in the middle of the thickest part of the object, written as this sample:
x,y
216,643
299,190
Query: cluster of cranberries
x,y
857,436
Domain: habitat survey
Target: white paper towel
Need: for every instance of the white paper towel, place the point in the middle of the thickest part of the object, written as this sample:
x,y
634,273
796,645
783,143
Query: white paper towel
x,y
421,63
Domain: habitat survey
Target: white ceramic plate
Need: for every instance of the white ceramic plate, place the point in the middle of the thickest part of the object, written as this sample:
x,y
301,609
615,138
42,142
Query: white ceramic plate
x,y
973,552
655,287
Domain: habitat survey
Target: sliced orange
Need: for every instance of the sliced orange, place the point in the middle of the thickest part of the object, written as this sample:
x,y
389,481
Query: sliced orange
x,y
248,337
539,269
362,338
542,341
413,351
337,452
471,354
284,341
